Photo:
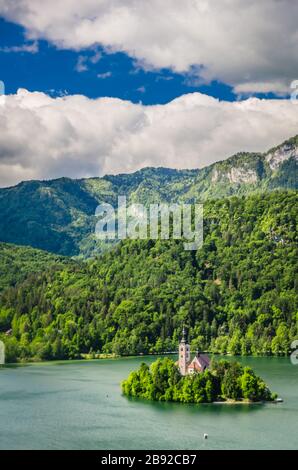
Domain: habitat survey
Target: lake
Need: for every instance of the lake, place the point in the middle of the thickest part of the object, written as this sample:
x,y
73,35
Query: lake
x,y
78,405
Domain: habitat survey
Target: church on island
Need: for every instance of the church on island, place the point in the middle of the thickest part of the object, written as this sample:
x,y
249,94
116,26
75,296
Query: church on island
x,y
199,363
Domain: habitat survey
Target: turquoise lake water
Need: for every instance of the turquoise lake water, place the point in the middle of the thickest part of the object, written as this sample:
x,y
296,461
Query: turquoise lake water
x,y
78,405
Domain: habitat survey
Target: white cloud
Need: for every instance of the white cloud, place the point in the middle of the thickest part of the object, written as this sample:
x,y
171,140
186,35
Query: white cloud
x,y
83,61
260,87
81,65
250,44
43,137
104,75
31,48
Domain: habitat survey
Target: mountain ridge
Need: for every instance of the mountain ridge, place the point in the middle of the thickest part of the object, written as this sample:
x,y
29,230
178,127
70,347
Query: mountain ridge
x,y
292,141
57,215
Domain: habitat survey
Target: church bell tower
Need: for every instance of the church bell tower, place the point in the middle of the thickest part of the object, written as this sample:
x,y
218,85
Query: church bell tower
x,y
184,354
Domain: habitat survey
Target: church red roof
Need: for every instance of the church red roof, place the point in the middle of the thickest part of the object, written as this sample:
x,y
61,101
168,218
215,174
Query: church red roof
x,y
199,363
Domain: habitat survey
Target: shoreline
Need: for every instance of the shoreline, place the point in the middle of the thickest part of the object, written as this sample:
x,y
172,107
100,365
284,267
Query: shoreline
x,y
240,402
104,356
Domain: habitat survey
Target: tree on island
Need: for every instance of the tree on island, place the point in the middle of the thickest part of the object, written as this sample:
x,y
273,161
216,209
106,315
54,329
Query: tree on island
x,y
224,381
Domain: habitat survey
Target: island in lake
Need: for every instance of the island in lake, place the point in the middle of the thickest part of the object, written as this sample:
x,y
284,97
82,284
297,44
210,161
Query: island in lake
x,y
196,381
224,381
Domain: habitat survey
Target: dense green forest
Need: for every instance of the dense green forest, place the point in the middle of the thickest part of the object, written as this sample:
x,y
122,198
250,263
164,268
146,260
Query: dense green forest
x,y
58,215
16,262
223,381
237,294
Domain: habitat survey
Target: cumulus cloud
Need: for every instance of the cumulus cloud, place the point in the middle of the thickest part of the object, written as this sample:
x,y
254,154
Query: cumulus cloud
x,y
43,137
251,44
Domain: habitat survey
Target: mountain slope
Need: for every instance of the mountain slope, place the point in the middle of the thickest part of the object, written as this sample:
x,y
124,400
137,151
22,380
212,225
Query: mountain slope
x,y
58,215
237,294
16,262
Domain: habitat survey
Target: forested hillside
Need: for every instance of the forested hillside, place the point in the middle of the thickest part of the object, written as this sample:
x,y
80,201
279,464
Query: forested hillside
x,y
16,262
237,294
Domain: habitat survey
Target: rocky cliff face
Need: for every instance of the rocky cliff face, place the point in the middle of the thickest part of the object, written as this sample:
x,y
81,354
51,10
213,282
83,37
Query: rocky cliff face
x,y
235,175
276,157
253,168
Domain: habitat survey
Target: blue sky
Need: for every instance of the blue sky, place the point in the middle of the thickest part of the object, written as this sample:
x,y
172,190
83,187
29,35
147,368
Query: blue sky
x,y
93,73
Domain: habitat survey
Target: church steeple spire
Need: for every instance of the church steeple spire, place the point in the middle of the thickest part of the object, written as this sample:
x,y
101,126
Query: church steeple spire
x,y
184,353
183,339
